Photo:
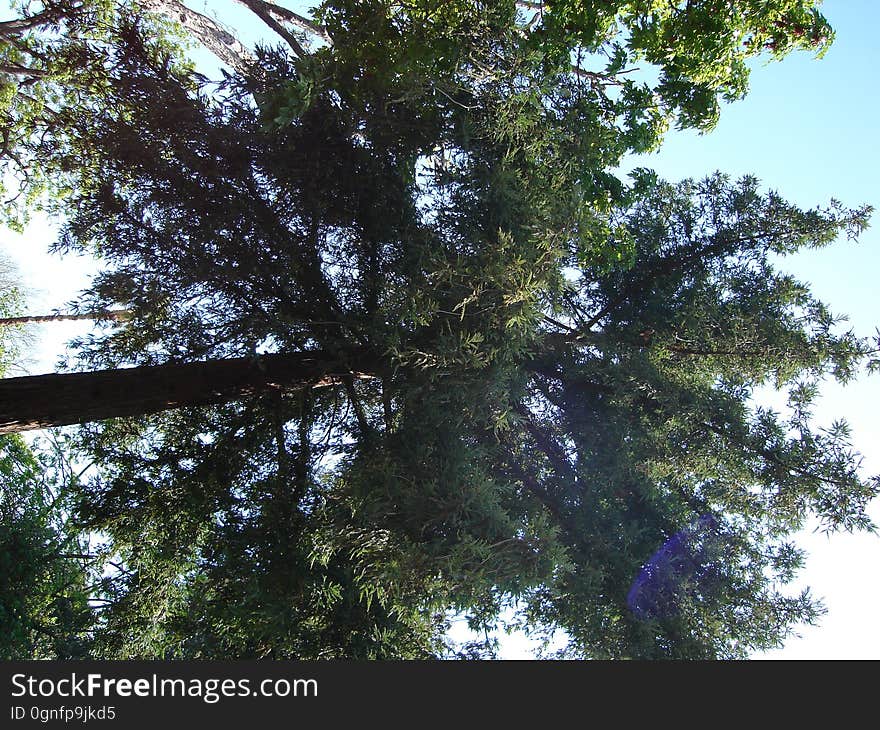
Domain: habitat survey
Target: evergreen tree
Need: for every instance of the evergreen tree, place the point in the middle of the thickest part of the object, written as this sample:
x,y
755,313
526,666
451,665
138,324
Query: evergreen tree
x,y
537,376
47,574
45,569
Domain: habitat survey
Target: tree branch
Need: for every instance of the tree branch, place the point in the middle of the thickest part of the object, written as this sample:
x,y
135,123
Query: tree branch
x,y
284,15
536,490
768,455
14,69
262,11
664,266
13,28
552,450
361,415
219,41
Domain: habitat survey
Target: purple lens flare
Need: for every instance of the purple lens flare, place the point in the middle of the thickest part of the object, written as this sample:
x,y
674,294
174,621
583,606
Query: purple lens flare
x,y
688,566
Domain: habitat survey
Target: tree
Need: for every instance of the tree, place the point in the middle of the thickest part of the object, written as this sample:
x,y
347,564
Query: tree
x,y
44,575
559,362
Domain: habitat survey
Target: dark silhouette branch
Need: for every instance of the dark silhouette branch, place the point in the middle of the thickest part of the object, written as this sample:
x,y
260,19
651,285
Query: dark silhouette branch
x,y
677,263
538,492
14,69
547,444
50,16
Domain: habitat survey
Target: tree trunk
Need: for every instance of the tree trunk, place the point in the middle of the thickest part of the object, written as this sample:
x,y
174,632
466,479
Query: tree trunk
x,y
116,315
42,401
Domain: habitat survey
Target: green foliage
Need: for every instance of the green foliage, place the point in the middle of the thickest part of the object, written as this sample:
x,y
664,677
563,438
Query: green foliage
x,y
645,427
699,48
44,575
54,73
565,359
44,591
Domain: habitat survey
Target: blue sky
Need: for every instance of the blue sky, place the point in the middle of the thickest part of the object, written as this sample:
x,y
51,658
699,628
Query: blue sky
x,y
807,129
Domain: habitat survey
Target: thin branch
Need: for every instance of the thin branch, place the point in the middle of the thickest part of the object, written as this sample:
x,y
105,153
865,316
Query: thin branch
x,y
280,435
44,108
770,456
14,69
560,325
363,423
13,28
386,407
547,444
304,456
665,266
601,79
536,490
115,315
